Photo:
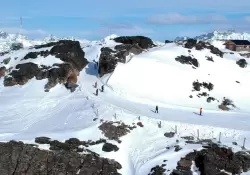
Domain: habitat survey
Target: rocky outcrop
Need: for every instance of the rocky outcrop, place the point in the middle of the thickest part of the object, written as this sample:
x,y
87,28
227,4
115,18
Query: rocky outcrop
x,y
242,63
108,147
66,73
115,130
142,41
192,43
197,86
19,158
34,55
226,104
109,58
187,60
129,45
213,161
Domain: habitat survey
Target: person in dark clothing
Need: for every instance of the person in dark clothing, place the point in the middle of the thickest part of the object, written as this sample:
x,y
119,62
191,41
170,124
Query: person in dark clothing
x,y
96,93
200,111
156,109
102,88
95,85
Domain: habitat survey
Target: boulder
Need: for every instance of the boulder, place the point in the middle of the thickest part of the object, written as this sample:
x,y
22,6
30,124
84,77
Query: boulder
x,y
115,130
142,41
43,140
242,63
169,134
2,72
187,60
108,147
26,159
34,55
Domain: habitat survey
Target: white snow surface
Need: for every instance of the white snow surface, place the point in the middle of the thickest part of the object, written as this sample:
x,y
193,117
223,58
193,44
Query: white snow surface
x,y
149,79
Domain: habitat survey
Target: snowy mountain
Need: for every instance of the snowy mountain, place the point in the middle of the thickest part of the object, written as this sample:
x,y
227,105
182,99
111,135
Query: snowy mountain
x,y
7,40
48,98
216,35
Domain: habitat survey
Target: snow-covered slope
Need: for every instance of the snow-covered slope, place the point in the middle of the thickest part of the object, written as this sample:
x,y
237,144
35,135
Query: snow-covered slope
x,y
132,90
217,35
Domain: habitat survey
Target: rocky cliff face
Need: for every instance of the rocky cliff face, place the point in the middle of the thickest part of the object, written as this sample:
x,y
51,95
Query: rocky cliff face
x,y
17,158
129,45
68,51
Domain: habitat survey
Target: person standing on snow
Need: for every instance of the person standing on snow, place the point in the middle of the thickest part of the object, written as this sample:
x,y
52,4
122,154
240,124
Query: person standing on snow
x,y
96,93
156,109
200,111
95,85
102,88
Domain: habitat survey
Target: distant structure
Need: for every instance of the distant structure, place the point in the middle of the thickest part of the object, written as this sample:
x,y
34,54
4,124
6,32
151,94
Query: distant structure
x,y
238,45
21,25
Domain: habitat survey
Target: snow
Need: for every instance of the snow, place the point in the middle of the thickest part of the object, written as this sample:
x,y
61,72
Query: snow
x,y
220,35
133,90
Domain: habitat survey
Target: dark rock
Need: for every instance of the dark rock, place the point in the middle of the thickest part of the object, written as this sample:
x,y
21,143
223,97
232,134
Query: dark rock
x,y
212,161
237,81
114,132
242,63
157,170
4,53
190,96
142,41
184,164
235,143
140,124
16,46
197,86
169,134
108,147
2,72
226,104
187,60
21,76
210,58
188,137
167,41
42,140
33,55
73,141
209,99
190,43
6,60
18,158
177,148
70,52
107,61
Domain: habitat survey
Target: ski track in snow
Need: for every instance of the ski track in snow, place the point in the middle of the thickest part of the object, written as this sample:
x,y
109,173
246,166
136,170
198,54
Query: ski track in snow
x,y
28,112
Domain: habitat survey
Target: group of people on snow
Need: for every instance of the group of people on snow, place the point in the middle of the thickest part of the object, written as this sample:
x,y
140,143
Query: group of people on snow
x,y
157,110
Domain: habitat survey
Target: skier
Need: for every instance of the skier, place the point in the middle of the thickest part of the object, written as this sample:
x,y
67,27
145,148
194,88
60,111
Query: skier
x,y
156,109
102,88
96,93
95,85
200,111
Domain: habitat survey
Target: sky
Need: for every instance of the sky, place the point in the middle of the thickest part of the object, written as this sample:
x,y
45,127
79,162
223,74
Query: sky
x,y
95,19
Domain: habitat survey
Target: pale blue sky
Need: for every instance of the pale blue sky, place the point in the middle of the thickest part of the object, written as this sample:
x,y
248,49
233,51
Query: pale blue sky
x,y
94,19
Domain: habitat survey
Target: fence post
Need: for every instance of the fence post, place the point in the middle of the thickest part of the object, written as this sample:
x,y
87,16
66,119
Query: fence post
x,y
219,137
175,129
244,141
198,134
